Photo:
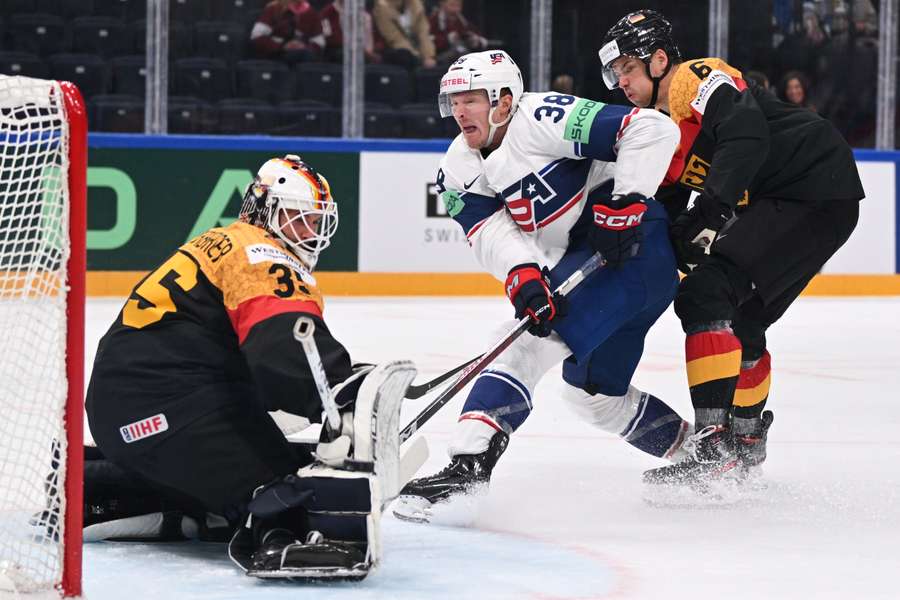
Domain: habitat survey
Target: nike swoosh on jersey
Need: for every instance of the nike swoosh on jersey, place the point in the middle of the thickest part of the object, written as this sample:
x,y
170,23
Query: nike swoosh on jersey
x,y
471,183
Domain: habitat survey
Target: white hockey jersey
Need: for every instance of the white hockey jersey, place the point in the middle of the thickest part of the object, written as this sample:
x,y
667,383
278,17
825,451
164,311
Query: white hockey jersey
x,y
520,203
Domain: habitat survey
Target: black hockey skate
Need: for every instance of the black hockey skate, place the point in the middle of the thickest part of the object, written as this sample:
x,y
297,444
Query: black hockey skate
x,y
282,556
750,441
711,457
466,475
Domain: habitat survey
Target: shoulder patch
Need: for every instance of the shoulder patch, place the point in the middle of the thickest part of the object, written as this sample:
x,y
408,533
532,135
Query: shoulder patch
x,y
713,81
453,202
581,117
258,253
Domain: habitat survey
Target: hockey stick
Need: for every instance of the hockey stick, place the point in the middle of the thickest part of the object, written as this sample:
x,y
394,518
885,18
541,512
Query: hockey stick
x,y
417,391
474,368
303,333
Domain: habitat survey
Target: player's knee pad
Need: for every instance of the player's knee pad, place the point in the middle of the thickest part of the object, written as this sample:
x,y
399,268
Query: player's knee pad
x,y
642,420
706,295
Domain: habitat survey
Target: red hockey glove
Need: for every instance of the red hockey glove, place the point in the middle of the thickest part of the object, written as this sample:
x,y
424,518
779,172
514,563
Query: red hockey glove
x,y
528,288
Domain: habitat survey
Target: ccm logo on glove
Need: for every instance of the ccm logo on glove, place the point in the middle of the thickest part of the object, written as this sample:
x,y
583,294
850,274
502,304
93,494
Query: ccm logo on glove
x,y
619,219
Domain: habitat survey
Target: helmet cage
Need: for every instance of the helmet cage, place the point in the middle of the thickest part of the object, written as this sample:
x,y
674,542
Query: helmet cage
x,y
293,202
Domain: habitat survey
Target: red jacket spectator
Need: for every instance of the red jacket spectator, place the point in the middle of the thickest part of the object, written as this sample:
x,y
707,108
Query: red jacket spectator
x,y
289,29
452,32
334,33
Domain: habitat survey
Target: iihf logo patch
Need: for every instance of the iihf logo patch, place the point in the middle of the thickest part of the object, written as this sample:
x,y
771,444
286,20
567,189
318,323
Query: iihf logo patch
x,y
144,428
496,57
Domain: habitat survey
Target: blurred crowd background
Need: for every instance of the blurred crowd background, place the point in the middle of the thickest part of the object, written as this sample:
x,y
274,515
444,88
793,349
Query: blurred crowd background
x,y
275,67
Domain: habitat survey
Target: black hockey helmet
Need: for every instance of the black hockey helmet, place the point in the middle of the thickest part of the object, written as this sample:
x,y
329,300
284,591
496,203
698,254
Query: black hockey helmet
x,y
639,35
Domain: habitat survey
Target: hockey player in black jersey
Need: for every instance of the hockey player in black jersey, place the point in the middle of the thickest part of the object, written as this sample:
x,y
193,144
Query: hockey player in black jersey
x,y
777,193
184,380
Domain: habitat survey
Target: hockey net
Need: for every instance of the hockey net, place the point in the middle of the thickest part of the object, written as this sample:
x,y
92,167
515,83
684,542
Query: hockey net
x,y
42,263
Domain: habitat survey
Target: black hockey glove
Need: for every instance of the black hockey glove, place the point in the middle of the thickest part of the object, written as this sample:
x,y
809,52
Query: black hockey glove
x,y
617,235
695,229
528,288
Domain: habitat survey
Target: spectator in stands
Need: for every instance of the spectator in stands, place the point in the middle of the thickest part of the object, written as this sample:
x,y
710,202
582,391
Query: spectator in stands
x,y
794,88
290,30
334,34
759,78
803,50
453,34
564,84
403,26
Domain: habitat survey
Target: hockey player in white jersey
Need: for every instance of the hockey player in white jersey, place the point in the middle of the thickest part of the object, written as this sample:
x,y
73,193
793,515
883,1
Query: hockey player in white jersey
x,y
539,182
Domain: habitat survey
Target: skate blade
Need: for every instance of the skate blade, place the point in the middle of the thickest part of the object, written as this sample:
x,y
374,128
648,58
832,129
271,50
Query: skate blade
x,y
459,510
413,509
316,575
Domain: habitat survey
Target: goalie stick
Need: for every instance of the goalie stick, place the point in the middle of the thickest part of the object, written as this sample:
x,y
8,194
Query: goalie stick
x,y
471,369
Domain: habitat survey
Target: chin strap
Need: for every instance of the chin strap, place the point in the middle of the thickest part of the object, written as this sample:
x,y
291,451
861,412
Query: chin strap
x,y
656,81
493,127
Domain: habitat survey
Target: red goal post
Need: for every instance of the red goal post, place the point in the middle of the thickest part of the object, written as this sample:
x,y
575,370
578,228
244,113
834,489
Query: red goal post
x,y
43,228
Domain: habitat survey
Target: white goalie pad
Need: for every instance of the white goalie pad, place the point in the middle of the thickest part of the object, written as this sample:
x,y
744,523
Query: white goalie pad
x,y
376,423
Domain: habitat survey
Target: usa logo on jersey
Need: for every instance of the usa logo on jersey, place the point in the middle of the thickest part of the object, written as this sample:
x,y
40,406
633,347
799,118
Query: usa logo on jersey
x,y
538,199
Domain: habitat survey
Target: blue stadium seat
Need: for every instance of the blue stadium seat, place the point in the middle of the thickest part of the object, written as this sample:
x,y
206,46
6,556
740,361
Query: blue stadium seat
x,y
188,11
117,113
383,123
235,10
23,63
121,9
88,71
106,36
422,121
427,84
246,116
320,81
18,7
40,34
308,118
206,78
266,80
129,75
181,38
70,9
220,39
388,84
191,115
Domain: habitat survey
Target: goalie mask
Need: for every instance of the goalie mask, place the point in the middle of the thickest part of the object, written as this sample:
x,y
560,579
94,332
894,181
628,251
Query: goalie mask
x,y
293,202
491,71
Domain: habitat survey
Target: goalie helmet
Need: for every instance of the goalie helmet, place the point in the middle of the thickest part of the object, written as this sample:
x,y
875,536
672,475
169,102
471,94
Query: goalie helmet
x,y
491,71
639,35
290,200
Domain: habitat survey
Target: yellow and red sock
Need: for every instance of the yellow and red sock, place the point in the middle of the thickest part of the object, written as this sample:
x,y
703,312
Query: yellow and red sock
x,y
753,388
713,366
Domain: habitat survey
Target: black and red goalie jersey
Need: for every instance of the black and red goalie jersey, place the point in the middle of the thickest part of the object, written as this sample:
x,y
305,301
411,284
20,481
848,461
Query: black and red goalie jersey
x,y
213,326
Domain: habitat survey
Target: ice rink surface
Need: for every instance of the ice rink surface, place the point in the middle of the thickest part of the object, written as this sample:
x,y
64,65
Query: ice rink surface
x,y
566,518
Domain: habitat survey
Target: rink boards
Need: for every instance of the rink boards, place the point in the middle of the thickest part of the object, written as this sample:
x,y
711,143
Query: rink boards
x,y
149,194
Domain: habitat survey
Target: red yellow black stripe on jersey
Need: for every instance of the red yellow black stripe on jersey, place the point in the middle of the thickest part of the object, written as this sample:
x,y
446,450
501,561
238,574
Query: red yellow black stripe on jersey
x,y
257,276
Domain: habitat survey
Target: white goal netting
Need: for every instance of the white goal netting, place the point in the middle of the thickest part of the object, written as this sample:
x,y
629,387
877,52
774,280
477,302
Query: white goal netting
x,y
34,249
